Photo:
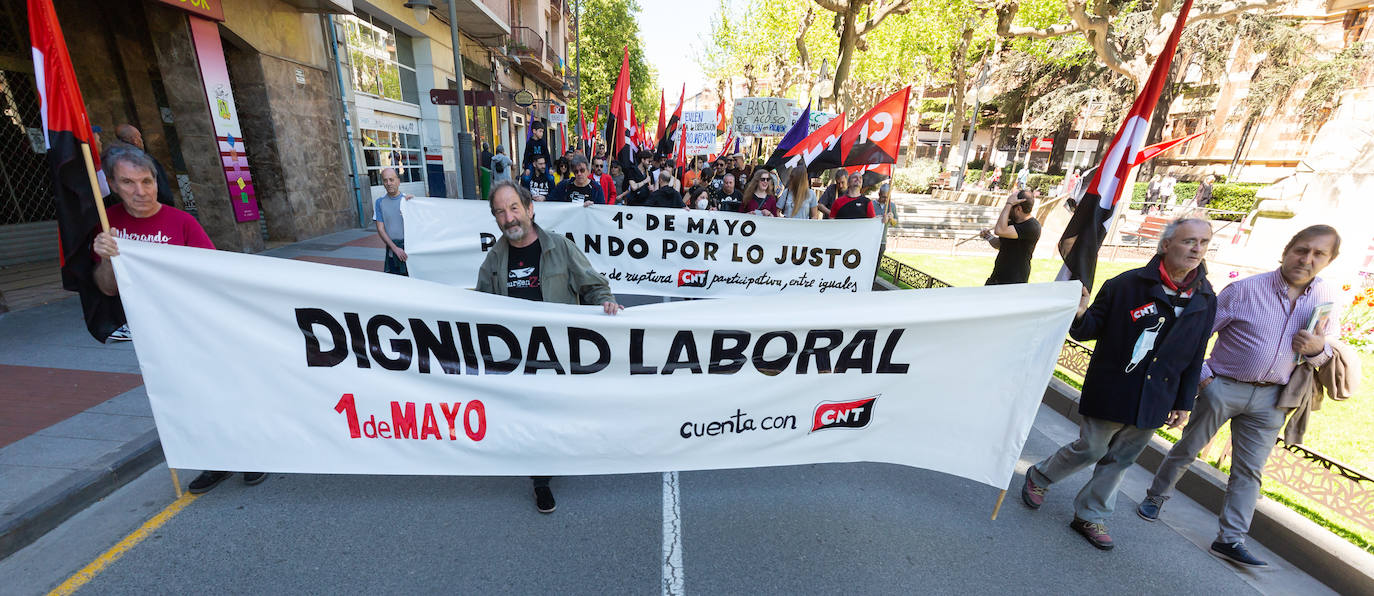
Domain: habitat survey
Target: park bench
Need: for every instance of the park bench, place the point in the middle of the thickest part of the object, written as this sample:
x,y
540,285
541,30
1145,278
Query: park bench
x,y
1150,229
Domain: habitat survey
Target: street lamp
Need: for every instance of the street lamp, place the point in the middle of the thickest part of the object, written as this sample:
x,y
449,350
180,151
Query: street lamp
x,y
421,8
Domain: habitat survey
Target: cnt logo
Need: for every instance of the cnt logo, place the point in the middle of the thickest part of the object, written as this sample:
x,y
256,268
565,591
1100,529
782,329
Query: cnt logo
x,y
692,278
843,414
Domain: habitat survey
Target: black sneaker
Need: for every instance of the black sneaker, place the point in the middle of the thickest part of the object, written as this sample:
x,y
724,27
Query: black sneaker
x,y
206,481
254,478
543,499
1237,553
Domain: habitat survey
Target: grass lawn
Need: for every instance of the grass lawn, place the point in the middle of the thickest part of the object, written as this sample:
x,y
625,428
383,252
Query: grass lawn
x,y
1343,431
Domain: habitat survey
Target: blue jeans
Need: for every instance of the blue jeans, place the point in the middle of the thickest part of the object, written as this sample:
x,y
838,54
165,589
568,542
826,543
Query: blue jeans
x,y
392,263
1113,446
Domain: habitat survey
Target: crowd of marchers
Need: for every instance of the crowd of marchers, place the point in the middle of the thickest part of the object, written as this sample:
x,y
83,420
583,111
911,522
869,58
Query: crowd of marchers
x,y
1274,347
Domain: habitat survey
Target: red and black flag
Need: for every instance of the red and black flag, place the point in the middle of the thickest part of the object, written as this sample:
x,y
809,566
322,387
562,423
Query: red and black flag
x,y
67,128
798,133
720,116
827,137
872,139
1093,216
620,122
668,137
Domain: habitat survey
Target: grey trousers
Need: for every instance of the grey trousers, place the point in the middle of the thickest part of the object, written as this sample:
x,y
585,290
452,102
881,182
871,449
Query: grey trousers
x,y
1255,424
1113,446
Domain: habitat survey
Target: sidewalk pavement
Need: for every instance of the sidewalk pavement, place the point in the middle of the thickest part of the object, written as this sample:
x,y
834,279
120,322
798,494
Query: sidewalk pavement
x,y
76,423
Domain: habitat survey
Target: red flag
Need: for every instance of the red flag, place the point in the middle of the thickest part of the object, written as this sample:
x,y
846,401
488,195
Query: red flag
x,y
720,116
563,135
596,120
67,128
874,138
1093,216
1149,152
621,109
582,133
662,115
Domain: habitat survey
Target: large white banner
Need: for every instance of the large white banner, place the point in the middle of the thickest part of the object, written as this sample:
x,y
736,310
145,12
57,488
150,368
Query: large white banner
x,y
286,366
659,252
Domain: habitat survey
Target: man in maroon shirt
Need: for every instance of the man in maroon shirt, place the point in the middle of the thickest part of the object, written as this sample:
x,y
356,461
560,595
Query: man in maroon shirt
x,y
139,216
1262,334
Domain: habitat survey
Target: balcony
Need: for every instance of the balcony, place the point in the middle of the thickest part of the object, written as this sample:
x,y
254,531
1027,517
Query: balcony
x,y
525,42
554,60
482,20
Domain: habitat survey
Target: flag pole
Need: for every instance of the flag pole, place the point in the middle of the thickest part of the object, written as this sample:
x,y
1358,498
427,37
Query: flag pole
x,y
95,188
998,507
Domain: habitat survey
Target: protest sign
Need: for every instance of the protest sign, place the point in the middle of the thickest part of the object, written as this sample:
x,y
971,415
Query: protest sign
x,y
817,120
700,128
763,116
287,366
660,252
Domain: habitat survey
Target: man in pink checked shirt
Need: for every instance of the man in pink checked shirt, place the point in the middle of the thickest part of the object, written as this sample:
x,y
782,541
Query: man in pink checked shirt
x,y
1261,328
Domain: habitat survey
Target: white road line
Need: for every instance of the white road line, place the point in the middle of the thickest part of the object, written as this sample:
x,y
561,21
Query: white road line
x,y
672,537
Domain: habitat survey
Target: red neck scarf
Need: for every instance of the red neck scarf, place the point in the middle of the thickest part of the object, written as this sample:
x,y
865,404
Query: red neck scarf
x,y
1169,282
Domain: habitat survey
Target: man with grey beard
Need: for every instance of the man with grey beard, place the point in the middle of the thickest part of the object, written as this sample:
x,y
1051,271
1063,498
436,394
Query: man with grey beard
x,y
528,262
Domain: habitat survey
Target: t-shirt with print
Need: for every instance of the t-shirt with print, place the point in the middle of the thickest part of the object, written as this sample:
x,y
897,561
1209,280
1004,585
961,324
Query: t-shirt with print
x,y
568,191
539,185
522,272
168,226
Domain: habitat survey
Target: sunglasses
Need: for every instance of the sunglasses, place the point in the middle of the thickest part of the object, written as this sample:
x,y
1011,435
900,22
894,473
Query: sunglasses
x,y
581,170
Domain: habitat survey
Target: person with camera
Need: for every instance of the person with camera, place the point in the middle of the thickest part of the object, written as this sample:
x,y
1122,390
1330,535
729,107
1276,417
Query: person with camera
x,y
1014,236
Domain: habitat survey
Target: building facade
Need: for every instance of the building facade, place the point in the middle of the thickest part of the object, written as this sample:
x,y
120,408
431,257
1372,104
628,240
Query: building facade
x,y
225,96
396,62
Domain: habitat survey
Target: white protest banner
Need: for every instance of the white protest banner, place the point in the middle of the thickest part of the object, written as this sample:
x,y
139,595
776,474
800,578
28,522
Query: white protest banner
x,y
659,252
700,128
286,366
817,120
763,116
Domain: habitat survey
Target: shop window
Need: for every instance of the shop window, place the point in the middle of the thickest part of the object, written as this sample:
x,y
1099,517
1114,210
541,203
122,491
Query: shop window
x,y
383,59
383,149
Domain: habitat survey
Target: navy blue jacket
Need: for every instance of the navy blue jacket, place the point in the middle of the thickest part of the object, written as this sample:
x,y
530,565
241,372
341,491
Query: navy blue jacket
x,y
1164,378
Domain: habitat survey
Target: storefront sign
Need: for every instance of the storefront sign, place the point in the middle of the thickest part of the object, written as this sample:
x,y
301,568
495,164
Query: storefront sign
x,y
371,120
1042,144
209,9
524,98
224,114
558,114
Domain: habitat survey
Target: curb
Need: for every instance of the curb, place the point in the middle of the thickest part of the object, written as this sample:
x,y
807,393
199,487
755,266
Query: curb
x,y
40,513
1342,566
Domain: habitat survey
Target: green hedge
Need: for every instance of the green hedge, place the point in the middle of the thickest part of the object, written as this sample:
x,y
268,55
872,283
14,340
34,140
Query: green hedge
x,y
1226,197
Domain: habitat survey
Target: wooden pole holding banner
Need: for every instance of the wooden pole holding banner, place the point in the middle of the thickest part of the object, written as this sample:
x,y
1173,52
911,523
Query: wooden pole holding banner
x,y
998,507
95,188
105,227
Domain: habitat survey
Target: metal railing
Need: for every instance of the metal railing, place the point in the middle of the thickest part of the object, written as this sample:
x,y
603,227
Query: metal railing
x,y
1331,484
525,42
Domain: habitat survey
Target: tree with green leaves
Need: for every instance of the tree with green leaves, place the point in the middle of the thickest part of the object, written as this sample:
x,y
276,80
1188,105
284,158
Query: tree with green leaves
x,y
607,27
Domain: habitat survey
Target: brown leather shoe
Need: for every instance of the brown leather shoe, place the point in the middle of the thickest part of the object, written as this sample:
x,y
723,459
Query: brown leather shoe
x,y
1094,532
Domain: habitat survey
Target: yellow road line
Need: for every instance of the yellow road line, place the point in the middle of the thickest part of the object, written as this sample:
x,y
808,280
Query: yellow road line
x,y
89,572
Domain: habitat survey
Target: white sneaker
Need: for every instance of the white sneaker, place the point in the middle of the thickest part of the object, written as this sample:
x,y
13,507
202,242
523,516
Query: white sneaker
x,y
121,334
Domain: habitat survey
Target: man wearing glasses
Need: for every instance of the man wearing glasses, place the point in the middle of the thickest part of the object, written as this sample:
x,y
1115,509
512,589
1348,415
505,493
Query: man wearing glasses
x,y
604,179
579,189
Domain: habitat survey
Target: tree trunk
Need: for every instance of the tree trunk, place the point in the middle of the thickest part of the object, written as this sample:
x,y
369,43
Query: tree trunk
x,y
960,65
849,37
1061,145
913,128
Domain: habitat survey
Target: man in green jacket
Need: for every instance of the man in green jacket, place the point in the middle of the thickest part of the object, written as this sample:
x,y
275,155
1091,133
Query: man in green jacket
x,y
530,263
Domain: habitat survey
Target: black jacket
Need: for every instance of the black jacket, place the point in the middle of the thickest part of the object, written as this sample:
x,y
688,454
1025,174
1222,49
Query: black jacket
x,y
1166,377
665,196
